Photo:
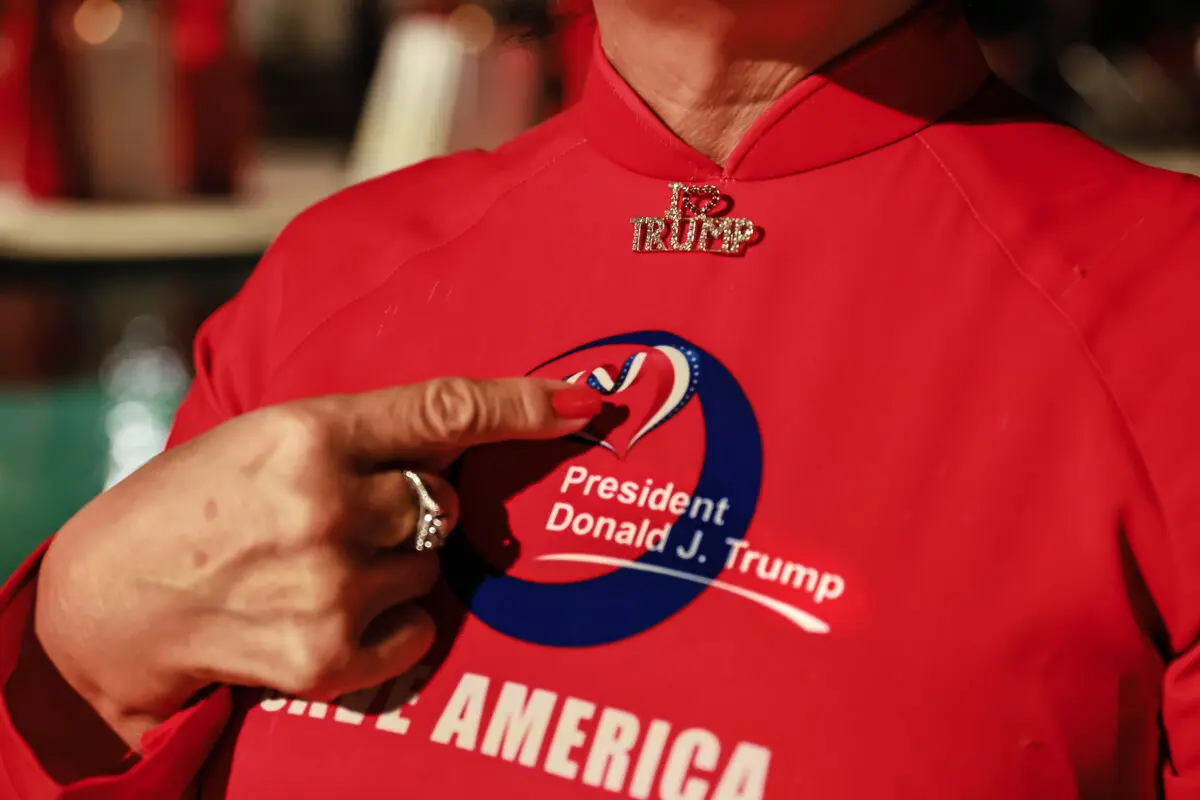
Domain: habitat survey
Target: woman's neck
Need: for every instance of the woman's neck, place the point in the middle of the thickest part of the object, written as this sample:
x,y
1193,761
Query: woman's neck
x,y
710,68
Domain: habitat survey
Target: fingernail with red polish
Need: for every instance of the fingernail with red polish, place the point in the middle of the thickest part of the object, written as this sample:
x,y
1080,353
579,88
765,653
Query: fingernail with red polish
x,y
577,403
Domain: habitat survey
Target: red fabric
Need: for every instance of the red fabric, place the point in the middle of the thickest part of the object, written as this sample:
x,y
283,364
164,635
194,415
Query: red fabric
x,y
171,755
937,418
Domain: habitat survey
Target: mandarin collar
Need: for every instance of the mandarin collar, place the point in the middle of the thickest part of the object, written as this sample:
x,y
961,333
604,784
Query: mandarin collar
x,y
885,90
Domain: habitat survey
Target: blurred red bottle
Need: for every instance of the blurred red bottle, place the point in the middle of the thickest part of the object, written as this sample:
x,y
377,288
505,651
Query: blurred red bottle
x,y
214,103
72,70
39,121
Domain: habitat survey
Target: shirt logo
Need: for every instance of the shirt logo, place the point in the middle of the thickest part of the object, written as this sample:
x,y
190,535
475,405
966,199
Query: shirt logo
x,y
694,222
593,541
654,384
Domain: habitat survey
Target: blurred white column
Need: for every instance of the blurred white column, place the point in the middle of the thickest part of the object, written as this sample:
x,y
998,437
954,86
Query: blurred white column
x,y
410,107
445,84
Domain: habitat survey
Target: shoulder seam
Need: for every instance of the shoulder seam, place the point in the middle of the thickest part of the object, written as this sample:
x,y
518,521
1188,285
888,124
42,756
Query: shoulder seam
x,y
1067,320
390,250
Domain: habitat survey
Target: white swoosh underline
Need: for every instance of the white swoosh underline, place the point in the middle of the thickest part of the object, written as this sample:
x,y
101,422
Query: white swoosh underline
x,y
803,619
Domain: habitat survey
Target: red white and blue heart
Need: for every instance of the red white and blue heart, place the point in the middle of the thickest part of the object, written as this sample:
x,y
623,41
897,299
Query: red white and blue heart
x,y
654,385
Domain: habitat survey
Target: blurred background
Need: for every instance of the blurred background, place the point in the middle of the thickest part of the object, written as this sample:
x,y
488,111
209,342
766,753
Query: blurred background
x,y
151,149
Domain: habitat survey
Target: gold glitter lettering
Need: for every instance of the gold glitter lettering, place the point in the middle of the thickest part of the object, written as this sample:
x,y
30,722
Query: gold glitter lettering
x,y
639,231
715,229
655,228
691,223
741,234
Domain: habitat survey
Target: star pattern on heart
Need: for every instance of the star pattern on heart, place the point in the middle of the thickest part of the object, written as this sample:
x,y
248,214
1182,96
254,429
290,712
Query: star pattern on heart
x,y
654,385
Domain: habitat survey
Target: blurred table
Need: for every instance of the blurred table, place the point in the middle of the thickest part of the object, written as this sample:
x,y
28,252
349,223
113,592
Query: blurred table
x,y
111,235
123,287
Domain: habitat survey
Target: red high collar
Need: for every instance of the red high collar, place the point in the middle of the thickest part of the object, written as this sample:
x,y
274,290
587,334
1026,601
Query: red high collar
x,y
885,90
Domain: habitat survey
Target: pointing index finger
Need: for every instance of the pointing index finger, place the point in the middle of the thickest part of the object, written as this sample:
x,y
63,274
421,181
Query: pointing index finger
x,y
451,414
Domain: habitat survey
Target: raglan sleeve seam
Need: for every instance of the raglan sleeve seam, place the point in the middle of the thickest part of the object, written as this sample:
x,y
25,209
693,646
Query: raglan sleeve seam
x,y
392,251
268,282
1143,462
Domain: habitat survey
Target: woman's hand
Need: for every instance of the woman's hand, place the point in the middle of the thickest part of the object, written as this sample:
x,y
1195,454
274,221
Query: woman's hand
x,y
275,550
